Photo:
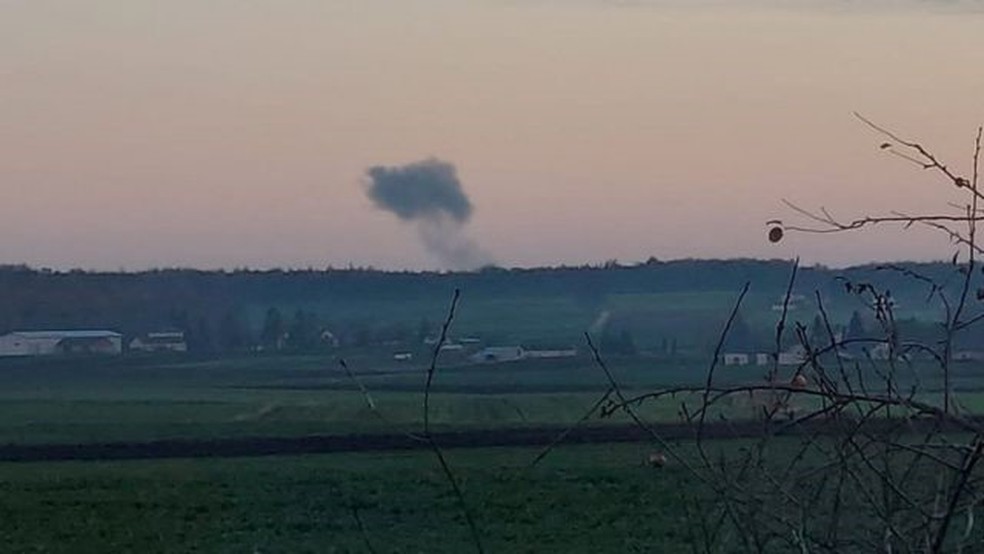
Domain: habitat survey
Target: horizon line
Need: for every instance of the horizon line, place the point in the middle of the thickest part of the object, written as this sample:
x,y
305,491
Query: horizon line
x,y
608,264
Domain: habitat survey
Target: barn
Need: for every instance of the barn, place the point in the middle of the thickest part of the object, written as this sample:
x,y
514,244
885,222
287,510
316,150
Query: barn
x,y
49,343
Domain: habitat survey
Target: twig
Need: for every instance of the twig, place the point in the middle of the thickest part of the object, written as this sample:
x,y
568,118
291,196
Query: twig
x,y
438,452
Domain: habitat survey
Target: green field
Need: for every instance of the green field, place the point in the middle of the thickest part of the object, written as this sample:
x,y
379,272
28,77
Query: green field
x,y
598,498
581,499
105,400
71,401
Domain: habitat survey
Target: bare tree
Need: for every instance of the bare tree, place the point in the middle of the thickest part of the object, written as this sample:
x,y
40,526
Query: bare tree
x,y
863,452
860,445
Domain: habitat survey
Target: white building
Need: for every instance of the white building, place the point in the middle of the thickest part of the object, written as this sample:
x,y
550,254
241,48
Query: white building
x,y
968,356
794,356
48,343
563,353
736,359
166,341
494,354
452,347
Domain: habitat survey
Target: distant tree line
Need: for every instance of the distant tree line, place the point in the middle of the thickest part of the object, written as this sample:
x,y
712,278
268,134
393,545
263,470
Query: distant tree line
x,y
293,309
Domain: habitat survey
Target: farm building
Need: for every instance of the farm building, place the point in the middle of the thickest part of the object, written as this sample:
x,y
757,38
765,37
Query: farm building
x,y
794,356
494,354
550,353
736,359
166,341
968,356
49,343
452,347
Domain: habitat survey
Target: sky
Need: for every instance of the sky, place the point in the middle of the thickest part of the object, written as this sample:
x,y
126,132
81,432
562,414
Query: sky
x,y
238,133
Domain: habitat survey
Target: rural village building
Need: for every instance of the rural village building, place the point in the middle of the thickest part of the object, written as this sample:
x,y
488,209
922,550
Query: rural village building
x,y
968,356
794,356
555,353
168,341
494,354
736,359
49,343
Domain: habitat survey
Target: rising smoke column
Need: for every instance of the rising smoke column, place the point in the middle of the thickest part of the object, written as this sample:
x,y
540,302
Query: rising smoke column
x,y
428,194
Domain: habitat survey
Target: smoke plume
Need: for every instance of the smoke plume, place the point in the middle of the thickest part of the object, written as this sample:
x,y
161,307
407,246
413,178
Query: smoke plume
x,y
428,194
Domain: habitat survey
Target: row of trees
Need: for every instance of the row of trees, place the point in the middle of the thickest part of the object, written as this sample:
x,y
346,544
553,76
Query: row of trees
x,y
233,332
746,338
133,301
302,331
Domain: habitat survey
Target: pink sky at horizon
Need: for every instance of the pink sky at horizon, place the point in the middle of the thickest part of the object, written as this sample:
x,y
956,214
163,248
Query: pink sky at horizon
x,y
236,133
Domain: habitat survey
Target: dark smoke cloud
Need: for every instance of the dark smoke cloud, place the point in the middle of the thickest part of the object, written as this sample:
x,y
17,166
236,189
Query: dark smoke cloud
x,y
429,194
421,190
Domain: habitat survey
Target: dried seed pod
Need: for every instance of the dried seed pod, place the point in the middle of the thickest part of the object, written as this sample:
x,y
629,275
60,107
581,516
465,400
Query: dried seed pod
x,y
775,234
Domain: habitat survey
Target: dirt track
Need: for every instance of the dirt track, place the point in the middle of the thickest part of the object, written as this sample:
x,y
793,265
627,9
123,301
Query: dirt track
x,y
318,444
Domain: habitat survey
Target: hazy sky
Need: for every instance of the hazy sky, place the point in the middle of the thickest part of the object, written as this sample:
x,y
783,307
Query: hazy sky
x,y
223,133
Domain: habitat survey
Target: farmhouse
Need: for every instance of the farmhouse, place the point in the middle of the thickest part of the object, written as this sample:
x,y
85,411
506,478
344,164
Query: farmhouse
x,y
164,341
48,343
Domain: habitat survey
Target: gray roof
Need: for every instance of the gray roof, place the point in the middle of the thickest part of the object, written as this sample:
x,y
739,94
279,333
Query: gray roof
x,y
78,334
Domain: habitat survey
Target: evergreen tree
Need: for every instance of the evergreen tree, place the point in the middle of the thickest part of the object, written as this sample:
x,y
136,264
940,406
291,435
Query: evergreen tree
x,y
200,339
855,328
423,330
233,334
817,333
272,335
855,331
740,338
303,334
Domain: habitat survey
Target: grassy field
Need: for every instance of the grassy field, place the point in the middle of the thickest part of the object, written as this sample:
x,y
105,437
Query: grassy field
x,y
139,399
581,499
286,414
597,498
